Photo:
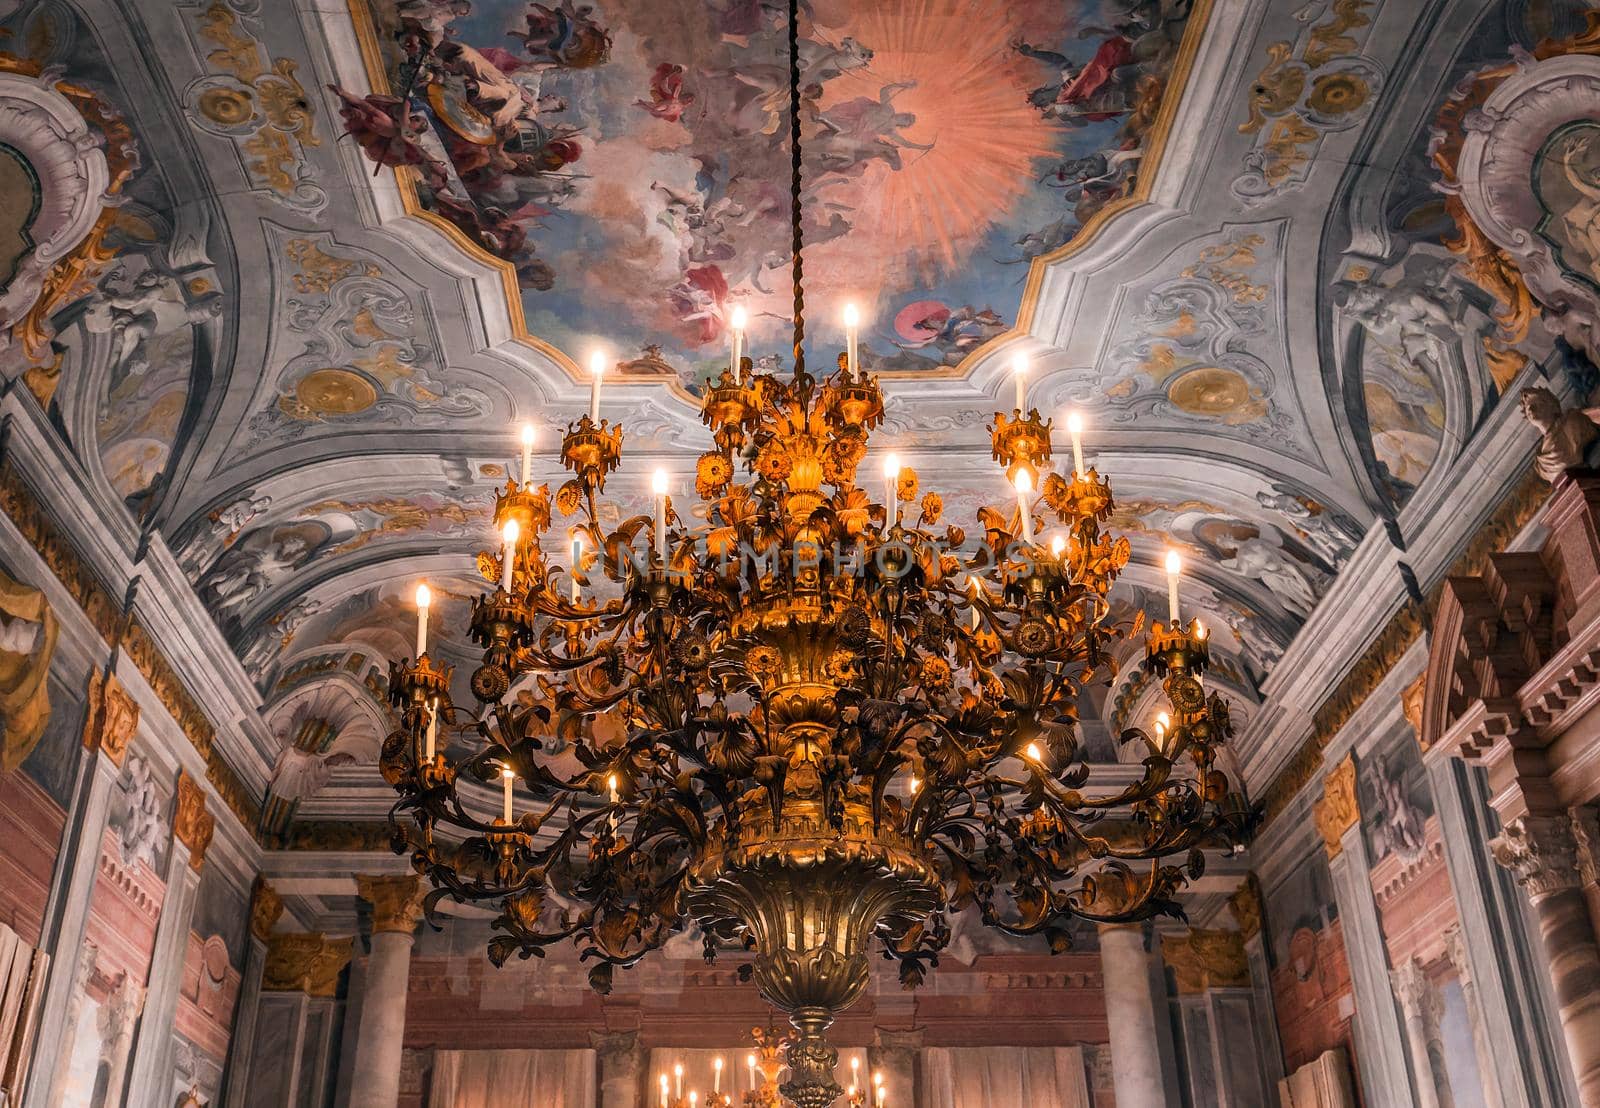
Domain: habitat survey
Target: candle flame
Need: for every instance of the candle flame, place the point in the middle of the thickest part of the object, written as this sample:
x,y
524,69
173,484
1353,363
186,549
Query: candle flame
x,y
597,363
1174,563
1023,481
891,465
852,317
507,773
510,532
738,318
1074,423
1019,365
658,482
424,596
1057,545
527,434
1033,752
1199,630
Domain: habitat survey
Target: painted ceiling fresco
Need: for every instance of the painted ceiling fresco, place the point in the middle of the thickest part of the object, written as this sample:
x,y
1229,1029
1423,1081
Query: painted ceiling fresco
x,y
632,160
1221,235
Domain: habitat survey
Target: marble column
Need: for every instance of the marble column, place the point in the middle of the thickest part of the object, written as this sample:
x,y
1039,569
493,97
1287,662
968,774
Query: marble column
x,y
109,726
1522,1057
894,1054
1455,949
1422,1008
1541,853
55,1083
1380,1041
151,1079
396,910
622,1064
1131,1017
118,1017
265,909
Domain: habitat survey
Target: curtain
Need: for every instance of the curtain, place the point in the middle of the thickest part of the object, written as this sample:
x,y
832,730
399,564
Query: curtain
x,y
513,1079
698,1068
1025,1076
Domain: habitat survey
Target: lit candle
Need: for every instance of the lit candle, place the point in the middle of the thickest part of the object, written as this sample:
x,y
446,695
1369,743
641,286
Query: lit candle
x,y
891,491
1174,569
1075,429
694,1098
1019,370
527,453
915,784
677,1073
507,776
852,323
750,1061
666,1099
1025,503
1033,752
597,370
658,485
424,598
1199,630
737,321
972,585
577,564
1058,543
611,786
855,1063
433,727
508,554
716,1071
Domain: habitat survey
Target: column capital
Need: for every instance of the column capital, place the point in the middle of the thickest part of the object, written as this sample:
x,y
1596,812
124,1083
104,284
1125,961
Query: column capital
x,y
396,901
1540,852
613,1043
192,825
305,962
886,1040
1204,960
266,908
1586,833
1245,905
1416,994
1411,707
112,718
1338,809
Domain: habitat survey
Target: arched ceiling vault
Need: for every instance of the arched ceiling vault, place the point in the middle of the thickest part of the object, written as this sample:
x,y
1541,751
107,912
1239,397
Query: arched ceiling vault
x,y
1209,225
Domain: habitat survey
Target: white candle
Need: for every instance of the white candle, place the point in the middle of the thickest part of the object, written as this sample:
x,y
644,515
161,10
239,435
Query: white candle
x,y
677,1073
577,564
597,370
611,786
891,491
665,1098
855,1063
737,334
1174,569
1025,503
433,728
1019,369
1075,429
508,555
750,1061
424,598
508,775
658,485
694,1098
972,585
716,1075
527,453
852,324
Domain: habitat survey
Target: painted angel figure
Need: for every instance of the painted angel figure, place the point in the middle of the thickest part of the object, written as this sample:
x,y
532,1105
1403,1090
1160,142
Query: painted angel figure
x,y
298,773
564,36
1088,93
1260,560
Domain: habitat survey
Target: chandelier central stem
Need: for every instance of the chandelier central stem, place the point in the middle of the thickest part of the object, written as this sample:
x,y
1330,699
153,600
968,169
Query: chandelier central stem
x,y
797,264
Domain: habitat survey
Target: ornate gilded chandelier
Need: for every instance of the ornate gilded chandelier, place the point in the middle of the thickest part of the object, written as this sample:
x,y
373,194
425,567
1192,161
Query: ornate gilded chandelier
x,y
829,723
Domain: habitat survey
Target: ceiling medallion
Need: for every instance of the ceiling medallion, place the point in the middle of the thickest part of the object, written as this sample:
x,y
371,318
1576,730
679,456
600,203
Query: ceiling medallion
x,y
819,723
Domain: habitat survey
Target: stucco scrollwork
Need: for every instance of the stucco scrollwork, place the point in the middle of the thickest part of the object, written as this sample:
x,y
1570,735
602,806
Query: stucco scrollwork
x,y
62,183
1540,126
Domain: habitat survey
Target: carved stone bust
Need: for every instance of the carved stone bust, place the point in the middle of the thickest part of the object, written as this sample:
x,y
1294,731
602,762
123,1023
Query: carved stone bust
x,y
1565,436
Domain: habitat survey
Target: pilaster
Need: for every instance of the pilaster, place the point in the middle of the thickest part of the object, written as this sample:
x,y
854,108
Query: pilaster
x,y
109,726
266,907
192,827
1379,1039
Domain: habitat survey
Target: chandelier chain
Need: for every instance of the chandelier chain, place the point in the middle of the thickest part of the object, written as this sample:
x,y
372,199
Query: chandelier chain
x,y
797,265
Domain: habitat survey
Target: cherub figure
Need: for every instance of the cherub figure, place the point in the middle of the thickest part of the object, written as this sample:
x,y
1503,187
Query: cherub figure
x,y
1565,436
